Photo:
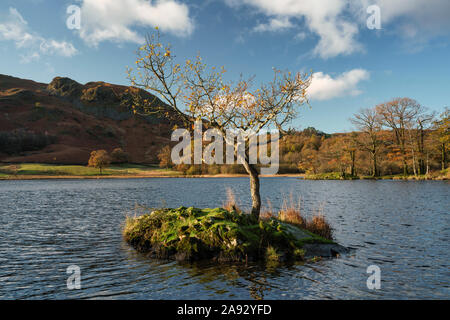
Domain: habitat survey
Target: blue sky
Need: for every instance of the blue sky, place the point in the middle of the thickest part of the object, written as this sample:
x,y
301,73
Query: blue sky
x,y
353,66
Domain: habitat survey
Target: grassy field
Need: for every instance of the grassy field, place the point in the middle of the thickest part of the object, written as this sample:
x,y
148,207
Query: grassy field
x,y
37,169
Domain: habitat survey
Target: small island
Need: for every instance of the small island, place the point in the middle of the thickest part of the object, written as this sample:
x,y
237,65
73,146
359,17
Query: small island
x,y
191,234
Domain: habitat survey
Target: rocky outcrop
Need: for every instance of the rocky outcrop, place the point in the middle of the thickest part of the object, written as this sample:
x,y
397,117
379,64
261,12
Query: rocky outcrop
x,y
65,87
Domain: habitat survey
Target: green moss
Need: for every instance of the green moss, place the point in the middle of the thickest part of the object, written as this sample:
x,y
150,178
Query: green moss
x,y
195,234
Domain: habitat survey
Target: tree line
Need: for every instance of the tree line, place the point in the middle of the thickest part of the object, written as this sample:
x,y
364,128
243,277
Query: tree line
x,y
397,137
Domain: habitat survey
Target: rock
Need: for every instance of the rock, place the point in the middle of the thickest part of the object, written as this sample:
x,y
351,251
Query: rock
x,y
100,93
296,232
325,250
64,87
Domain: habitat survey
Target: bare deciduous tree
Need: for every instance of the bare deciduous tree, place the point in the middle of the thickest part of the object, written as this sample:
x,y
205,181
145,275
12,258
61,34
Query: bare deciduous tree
x,y
398,114
368,122
220,104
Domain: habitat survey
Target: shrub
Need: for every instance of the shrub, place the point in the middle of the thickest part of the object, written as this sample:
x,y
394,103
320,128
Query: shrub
x,y
183,168
165,157
213,169
119,156
194,170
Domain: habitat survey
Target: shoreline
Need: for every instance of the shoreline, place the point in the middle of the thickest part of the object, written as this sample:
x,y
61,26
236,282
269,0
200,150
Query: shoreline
x,y
68,177
159,176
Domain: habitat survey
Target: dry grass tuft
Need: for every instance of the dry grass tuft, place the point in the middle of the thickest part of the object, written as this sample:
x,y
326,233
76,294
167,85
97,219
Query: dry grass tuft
x,y
319,225
267,211
291,213
231,203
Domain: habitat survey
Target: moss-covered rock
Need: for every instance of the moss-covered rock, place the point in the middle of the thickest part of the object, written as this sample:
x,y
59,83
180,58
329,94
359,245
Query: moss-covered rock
x,y
197,234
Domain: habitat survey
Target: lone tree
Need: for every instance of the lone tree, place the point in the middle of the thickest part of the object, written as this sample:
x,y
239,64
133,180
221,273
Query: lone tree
x,y
220,104
99,159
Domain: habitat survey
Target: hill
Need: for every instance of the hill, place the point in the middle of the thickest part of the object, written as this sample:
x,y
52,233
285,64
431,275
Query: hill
x,y
62,122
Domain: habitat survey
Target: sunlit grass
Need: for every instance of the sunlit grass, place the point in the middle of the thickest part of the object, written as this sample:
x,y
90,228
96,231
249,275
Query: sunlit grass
x,y
25,169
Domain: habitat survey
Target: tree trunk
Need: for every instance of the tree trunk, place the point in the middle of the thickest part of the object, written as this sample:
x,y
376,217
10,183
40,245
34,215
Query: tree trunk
x,y
421,150
403,151
443,159
405,166
353,156
254,188
413,160
374,165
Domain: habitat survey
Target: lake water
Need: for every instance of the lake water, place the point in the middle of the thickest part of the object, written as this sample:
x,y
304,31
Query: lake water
x,y
47,225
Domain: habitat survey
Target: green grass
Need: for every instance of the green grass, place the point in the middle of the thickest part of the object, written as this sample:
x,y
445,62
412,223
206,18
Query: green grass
x,y
26,169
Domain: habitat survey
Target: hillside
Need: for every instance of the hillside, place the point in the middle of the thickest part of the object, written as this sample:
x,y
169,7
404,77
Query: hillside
x,y
62,122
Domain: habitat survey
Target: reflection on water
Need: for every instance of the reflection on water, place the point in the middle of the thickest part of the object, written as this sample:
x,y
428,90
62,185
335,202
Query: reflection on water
x,y
47,225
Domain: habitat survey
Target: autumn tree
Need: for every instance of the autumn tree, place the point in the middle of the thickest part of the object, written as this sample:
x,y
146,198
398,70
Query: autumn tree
x,y
368,122
442,135
333,157
418,128
398,114
222,105
99,159
350,146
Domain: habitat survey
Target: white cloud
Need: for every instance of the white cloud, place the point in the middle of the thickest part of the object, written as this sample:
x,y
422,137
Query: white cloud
x,y
337,23
275,24
325,87
62,48
323,18
15,28
111,20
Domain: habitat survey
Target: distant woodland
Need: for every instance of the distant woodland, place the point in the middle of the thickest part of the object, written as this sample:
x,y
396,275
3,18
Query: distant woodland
x,y
399,137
